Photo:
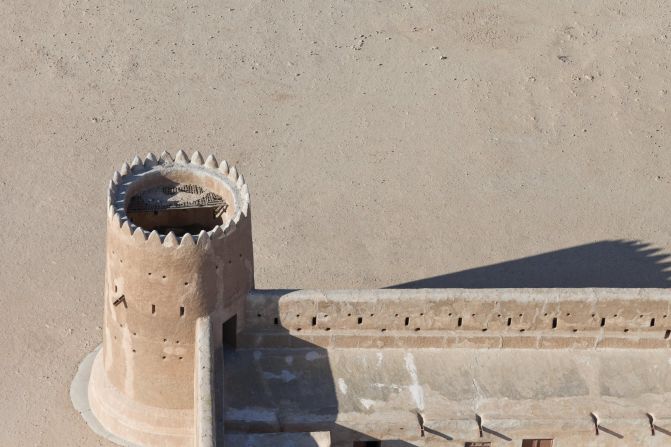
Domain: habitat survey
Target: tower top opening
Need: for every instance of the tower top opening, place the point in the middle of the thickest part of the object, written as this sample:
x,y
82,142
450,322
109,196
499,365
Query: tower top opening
x,y
178,207
178,197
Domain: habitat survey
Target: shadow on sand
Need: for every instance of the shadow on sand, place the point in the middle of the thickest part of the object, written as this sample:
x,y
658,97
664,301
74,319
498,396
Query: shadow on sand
x,y
619,263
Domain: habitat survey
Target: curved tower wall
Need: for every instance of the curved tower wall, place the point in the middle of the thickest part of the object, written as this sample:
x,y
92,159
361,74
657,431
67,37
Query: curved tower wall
x,y
156,288
149,336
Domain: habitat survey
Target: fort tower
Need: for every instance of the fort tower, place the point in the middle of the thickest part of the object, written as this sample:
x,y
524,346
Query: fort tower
x,y
179,247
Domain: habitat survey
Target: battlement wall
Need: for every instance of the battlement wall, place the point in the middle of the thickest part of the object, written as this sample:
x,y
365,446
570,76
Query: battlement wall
x,y
445,318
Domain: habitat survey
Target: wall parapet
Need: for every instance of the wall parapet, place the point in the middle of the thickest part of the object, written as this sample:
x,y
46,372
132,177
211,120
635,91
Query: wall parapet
x,y
488,318
204,412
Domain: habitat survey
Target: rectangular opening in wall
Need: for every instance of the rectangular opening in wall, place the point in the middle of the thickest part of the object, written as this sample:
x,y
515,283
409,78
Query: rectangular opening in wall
x,y
229,332
537,443
367,444
478,444
181,311
153,309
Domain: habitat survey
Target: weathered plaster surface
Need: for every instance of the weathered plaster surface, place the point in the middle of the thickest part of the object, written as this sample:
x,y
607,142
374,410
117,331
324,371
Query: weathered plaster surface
x,y
360,393
460,318
531,363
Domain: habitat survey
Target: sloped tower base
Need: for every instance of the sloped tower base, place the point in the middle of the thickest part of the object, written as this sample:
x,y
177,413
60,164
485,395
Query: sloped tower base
x,y
138,424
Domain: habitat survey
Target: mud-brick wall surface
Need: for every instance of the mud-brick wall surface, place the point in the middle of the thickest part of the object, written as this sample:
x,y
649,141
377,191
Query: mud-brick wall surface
x,y
503,318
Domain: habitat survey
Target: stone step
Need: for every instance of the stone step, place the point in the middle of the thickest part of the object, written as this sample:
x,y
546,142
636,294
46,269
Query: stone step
x,y
314,439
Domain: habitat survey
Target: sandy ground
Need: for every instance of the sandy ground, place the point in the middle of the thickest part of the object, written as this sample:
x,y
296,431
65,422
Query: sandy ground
x,y
383,142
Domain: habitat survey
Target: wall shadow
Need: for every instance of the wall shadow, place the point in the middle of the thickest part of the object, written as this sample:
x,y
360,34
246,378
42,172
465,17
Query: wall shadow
x,y
289,388
616,263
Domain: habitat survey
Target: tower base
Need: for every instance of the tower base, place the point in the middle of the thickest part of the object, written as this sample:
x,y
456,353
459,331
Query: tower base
x,y
122,421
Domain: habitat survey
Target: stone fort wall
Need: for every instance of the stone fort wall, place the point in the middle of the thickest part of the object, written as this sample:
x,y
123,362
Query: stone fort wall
x,y
453,318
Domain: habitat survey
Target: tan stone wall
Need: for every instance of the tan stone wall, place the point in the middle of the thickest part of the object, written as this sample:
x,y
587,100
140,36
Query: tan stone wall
x,y
487,318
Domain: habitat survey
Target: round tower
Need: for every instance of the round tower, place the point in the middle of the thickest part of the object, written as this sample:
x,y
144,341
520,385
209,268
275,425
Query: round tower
x,y
179,247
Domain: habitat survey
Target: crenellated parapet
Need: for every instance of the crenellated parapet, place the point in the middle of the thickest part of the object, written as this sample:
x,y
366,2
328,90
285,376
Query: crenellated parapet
x,y
140,175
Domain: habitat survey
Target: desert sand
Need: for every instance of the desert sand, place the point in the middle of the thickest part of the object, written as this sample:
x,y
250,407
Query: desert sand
x,y
466,143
